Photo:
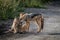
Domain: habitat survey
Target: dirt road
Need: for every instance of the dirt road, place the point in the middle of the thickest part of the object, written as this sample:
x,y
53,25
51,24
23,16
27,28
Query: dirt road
x,y
51,29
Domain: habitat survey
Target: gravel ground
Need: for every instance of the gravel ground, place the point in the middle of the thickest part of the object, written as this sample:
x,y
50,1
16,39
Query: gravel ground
x,y
51,29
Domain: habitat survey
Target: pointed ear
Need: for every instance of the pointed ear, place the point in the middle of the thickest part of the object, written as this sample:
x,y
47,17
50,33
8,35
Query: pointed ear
x,y
22,15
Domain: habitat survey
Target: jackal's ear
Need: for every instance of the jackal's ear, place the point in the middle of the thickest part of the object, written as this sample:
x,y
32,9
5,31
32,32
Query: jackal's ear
x,y
22,15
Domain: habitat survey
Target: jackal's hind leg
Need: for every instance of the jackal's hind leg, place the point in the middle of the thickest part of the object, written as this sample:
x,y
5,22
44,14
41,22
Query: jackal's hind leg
x,y
39,25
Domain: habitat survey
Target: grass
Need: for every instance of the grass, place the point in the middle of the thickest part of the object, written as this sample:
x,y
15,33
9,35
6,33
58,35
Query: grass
x,y
9,8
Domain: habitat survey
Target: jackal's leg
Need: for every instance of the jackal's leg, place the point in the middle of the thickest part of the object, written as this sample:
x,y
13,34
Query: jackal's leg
x,y
39,24
14,25
27,24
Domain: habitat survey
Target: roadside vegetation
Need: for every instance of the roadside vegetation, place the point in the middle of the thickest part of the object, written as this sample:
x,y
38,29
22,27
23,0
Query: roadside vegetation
x,y
11,8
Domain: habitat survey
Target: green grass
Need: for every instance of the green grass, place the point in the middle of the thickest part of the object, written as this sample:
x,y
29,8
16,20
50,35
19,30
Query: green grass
x,y
9,8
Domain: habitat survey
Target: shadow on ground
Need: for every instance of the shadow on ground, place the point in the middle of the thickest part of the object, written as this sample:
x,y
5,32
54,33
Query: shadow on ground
x,y
12,36
54,34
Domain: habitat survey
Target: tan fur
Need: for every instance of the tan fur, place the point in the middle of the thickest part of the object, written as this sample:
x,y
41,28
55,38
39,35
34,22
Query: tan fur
x,y
22,28
38,19
22,15
15,27
25,26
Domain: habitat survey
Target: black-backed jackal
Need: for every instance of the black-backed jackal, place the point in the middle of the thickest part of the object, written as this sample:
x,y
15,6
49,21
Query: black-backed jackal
x,y
17,25
38,18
